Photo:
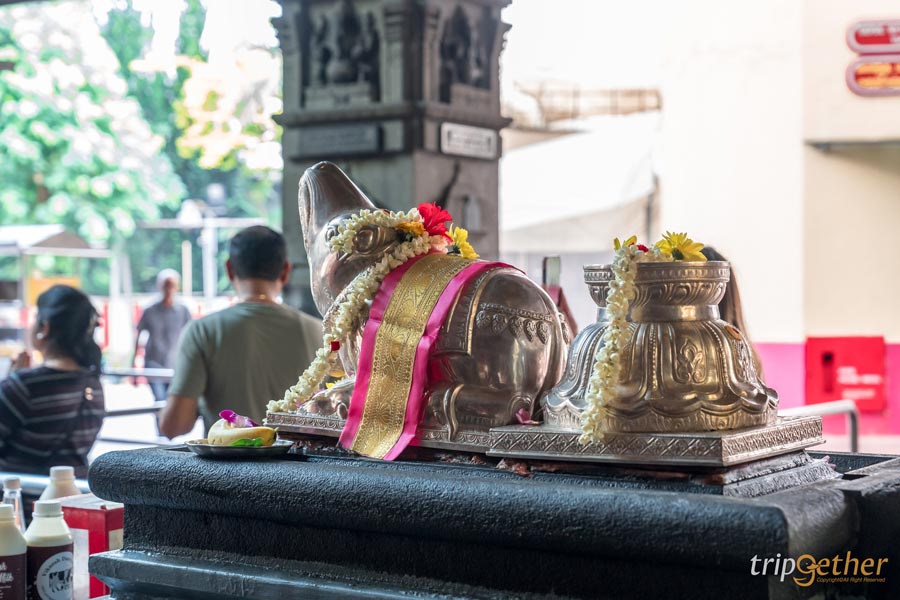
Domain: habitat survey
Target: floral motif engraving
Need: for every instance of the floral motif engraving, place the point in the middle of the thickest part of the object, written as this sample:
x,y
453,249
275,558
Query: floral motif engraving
x,y
746,370
519,322
515,326
690,366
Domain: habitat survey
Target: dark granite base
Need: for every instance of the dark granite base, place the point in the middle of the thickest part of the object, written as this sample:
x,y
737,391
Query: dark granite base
x,y
747,480
358,528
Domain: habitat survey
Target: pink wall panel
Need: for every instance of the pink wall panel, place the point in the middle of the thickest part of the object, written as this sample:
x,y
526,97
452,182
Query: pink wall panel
x,y
785,371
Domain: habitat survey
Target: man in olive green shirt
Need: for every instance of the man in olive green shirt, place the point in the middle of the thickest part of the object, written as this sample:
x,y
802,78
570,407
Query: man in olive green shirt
x,y
242,357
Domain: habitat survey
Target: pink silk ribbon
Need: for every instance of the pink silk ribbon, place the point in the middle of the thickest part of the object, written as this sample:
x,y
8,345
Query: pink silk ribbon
x,y
416,401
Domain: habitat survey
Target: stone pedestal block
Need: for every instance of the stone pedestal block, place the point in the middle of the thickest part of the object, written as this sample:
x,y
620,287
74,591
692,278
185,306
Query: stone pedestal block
x,y
340,527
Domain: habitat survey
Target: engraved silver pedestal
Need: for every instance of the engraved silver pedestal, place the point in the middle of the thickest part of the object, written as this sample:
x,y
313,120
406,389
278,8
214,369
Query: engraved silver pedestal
x,y
708,448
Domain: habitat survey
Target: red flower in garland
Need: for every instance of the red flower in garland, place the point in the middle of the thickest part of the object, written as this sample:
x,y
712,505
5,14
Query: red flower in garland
x,y
435,219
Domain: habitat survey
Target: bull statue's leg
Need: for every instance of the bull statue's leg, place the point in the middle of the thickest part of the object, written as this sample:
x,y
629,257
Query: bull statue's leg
x,y
464,406
334,401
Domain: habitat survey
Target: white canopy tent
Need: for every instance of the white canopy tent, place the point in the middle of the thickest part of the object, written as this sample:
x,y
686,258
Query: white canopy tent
x,y
576,193
570,196
23,240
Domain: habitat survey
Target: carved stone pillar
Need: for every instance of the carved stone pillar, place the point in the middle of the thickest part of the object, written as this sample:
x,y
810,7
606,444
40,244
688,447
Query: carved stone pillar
x,y
405,96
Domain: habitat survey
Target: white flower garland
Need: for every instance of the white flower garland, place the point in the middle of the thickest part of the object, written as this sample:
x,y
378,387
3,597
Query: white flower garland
x,y
349,304
607,360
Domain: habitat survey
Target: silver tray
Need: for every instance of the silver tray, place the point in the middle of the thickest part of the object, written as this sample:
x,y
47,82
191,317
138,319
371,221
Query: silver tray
x,y
201,448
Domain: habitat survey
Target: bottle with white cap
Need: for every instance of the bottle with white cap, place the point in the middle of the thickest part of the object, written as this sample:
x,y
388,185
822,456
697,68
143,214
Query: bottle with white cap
x,y
12,556
50,553
62,483
12,495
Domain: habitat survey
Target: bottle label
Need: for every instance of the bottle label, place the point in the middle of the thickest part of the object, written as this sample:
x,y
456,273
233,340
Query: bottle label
x,y
50,572
12,577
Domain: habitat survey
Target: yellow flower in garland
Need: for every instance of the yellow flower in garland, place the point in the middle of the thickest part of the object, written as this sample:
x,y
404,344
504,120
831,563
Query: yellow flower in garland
x,y
617,245
461,243
678,246
413,228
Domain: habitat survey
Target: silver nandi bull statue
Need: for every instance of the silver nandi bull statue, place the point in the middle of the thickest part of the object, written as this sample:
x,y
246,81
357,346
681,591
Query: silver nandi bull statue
x,y
502,346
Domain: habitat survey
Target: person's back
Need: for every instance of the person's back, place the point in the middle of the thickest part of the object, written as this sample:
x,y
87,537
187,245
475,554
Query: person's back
x,y
252,352
51,414
48,417
242,357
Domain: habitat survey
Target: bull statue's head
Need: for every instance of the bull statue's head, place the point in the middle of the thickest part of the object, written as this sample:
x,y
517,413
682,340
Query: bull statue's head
x,y
326,198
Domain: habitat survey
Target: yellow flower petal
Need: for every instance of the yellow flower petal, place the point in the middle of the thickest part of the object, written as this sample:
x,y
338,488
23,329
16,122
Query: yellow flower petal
x,y
415,228
680,247
617,245
694,256
460,239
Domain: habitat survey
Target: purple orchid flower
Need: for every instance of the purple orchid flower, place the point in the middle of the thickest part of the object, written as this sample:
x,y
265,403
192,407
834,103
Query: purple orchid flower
x,y
236,419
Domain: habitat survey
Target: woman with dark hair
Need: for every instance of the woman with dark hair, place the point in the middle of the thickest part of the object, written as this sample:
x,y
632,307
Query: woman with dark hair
x,y
50,414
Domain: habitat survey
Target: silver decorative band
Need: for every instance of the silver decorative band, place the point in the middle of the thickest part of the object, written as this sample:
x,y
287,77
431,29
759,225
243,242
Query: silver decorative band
x,y
656,312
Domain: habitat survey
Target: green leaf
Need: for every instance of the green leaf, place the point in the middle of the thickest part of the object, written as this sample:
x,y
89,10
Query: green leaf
x,y
251,443
212,101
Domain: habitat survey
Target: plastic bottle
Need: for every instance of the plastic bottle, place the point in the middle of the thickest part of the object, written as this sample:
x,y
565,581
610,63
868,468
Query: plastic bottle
x,y
62,484
12,556
12,495
50,553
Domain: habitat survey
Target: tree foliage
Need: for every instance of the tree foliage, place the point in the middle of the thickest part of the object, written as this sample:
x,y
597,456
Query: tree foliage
x,y
92,139
164,96
74,146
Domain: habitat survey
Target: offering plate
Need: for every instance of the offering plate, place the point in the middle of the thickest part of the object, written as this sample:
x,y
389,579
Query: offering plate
x,y
206,450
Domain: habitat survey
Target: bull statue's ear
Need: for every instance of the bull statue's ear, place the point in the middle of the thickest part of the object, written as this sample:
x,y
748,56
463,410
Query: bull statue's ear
x,y
324,193
373,239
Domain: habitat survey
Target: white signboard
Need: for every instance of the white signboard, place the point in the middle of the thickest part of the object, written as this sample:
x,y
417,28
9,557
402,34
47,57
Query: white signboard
x,y
463,140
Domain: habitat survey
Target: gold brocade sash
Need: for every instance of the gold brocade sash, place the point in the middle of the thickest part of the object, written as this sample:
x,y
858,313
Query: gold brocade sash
x,y
395,350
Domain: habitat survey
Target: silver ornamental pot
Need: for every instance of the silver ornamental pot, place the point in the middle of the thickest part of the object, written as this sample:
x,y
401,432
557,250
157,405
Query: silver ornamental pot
x,y
684,370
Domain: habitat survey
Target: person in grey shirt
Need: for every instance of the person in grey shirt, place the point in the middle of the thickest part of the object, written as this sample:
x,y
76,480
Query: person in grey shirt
x,y
242,357
162,322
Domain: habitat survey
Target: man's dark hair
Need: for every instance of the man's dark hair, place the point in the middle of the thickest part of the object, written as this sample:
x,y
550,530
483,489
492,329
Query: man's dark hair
x,y
257,253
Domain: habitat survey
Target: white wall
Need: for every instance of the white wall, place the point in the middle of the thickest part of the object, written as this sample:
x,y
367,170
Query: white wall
x,y
852,219
731,153
852,189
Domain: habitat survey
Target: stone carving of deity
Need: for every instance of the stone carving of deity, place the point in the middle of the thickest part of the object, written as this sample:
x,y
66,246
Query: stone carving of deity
x,y
456,42
322,50
365,56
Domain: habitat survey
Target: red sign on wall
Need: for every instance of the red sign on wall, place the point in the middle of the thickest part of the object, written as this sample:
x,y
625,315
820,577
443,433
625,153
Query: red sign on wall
x,y
874,37
846,368
877,72
875,75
